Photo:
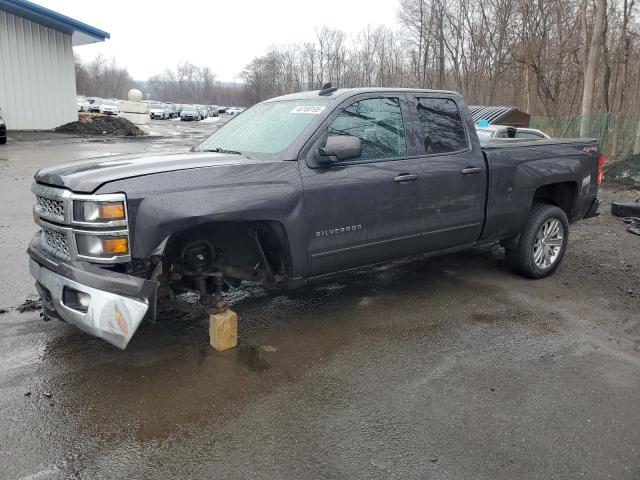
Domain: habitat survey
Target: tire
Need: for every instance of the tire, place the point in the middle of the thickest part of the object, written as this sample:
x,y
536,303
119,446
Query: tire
x,y
625,209
3,140
542,242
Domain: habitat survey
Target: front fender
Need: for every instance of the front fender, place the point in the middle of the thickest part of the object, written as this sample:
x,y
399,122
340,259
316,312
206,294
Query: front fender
x,y
162,205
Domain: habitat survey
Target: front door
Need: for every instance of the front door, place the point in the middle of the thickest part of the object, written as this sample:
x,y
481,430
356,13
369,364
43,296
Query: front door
x,y
363,210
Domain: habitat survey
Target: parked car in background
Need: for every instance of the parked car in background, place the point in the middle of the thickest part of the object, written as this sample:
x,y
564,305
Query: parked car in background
x,y
486,133
94,106
175,111
3,131
203,111
82,104
109,107
190,112
158,110
222,109
234,110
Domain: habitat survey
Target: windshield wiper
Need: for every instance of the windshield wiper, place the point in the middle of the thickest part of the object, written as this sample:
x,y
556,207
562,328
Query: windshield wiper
x,y
222,150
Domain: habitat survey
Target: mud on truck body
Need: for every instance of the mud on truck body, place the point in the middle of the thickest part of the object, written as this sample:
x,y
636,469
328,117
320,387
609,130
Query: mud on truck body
x,y
293,189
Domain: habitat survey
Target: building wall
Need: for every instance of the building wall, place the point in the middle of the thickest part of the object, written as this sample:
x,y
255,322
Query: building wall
x,y
37,75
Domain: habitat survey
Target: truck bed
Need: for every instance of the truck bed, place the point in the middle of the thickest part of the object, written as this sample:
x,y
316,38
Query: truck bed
x,y
519,170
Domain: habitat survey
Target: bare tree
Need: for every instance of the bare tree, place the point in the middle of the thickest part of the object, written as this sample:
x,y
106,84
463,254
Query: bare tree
x,y
595,50
102,77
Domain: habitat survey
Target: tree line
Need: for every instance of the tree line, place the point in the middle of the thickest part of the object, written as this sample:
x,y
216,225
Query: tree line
x,y
560,57
547,57
102,77
186,83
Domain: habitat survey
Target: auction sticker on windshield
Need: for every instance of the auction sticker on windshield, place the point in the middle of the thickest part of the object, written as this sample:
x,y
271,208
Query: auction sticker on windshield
x,y
313,109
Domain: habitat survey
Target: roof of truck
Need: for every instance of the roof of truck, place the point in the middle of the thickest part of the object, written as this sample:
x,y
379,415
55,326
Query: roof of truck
x,y
348,92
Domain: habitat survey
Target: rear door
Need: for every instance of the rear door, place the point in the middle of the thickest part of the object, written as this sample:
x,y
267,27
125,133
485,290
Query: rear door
x,y
363,210
453,171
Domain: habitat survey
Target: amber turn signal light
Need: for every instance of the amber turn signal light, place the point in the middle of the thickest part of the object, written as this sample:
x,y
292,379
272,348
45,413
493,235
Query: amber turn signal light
x,y
111,211
115,246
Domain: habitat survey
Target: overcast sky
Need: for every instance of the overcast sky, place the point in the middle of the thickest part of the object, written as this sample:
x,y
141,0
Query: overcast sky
x,y
148,36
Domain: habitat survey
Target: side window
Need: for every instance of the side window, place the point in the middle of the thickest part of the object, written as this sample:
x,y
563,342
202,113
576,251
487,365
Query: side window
x,y
442,126
377,122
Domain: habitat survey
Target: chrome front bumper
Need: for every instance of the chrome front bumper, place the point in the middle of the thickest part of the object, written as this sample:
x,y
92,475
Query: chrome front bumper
x,y
114,318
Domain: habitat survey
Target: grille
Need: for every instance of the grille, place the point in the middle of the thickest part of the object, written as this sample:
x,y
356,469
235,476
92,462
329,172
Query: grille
x,y
50,207
56,243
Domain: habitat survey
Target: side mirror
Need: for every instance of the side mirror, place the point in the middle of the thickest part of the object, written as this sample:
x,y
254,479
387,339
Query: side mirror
x,y
339,148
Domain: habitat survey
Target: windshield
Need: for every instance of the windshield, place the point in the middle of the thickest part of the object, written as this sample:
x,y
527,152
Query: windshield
x,y
189,109
157,106
266,129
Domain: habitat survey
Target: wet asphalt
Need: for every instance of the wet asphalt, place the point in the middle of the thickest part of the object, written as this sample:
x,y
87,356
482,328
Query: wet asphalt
x,y
442,368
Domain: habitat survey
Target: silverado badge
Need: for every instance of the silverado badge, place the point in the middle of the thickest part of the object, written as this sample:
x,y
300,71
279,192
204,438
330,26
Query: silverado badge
x,y
337,230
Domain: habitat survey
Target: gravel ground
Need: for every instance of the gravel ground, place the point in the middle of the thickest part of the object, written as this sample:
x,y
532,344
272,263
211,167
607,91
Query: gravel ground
x,y
446,368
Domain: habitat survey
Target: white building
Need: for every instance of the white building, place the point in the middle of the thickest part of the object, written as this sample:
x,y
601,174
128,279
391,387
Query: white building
x,y
37,71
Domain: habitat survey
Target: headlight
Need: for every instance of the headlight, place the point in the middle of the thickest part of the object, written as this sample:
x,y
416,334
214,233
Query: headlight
x,y
101,246
98,212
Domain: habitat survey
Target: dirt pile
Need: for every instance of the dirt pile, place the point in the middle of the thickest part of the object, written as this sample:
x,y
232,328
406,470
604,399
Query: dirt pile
x,y
101,125
624,172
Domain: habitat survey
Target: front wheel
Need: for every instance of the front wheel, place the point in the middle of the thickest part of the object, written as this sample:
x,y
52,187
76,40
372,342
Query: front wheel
x,y
542,243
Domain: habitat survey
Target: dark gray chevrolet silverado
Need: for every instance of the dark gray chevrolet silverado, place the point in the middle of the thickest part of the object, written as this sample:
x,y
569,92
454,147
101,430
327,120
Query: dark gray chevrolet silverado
x,y
295,188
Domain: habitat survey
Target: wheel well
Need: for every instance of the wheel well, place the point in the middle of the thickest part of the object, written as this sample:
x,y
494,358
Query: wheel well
x,y
561,194
237,242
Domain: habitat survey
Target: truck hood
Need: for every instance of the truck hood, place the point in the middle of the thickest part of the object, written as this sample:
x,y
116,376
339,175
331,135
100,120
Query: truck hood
x,y
86,176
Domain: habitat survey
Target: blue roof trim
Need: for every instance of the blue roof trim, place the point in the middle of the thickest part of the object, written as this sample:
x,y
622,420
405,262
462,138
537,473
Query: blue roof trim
x,y
81,32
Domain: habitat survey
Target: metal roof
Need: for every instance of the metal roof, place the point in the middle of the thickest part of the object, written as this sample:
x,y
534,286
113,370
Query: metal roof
x,y
81,33
492,114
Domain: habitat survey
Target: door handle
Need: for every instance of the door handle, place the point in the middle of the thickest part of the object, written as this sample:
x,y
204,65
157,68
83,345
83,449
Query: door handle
x,y
405,177
468,170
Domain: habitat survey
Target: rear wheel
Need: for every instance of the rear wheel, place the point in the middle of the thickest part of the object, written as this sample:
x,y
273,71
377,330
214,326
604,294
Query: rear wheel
x,y
542,243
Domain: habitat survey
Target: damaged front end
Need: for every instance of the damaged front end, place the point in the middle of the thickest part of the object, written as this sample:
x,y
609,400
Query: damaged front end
x,y
99,301
195,265
87,275
114,318
78,234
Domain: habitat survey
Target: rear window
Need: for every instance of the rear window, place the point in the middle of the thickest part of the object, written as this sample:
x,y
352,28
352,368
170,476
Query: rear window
x,y
442,126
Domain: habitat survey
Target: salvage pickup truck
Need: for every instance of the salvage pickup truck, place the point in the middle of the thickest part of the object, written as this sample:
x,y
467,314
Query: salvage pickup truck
x,y
294,189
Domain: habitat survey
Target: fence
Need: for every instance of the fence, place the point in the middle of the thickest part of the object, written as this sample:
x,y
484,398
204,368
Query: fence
x,y
616,133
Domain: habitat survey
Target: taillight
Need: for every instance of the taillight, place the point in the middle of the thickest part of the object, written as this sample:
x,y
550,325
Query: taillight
x,y
600,168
